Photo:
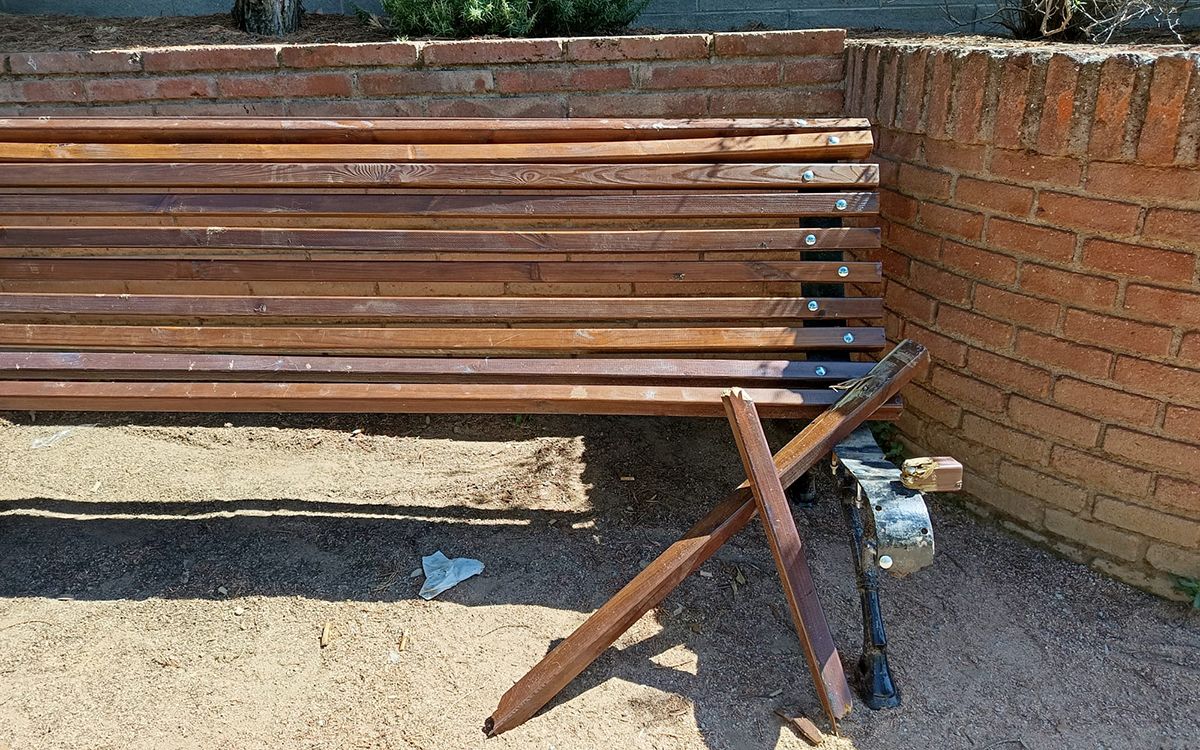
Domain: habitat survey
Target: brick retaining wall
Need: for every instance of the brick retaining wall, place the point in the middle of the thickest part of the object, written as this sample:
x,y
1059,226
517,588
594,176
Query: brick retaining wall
x,y
1042,233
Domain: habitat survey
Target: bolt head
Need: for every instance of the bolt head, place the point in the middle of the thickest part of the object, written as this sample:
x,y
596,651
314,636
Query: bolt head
x,y
885,561
834,140
841,204
812,305
820,371
843,271
810,239
848,338
808,175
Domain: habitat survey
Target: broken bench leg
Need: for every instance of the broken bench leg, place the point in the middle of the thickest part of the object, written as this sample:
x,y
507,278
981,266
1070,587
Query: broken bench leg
x,y
776,515
648,589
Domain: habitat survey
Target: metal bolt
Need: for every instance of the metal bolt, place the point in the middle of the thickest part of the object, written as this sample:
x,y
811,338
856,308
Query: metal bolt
x,y
812,305
885,561
848,338
801,122
843,271
820,371
808,175
810,239
841,204
834,140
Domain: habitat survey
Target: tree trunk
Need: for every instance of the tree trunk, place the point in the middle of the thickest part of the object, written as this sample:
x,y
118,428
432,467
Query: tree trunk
x,y
267,17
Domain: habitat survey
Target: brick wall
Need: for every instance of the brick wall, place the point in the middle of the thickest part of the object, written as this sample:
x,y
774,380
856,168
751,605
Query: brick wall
x,y
1042,232
674,75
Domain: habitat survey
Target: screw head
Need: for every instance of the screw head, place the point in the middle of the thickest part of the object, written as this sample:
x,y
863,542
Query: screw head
x,y
808,175
834,140
843,271
848,338
801,122
885,561
841,204
810,239
820,371
812,305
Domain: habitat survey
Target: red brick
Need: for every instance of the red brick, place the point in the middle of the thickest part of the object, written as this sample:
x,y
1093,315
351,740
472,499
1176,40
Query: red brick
x,y
924,183
1013,100
765,102
938,108
344,55
1113,95
974,327
1132,181
1018,308
1177,384
1020,445
119,89
1031,167
275,86
893,205
1068,286
492,106
1100,472
1064,355
713,75
1181,458
407,82
885,113
1169,225
1138,260
1184,423
662,104
1048,488
956,156
1027,239
1177,494
771,43
74,63
912,104
1115,542
209,58
899,145
912,242
931,405
1120,333
1163,305
970,86
1009,503
1017,376
944,220
1054,133
941,285
1049,420
982,264
593,78
967,390
1164,108
908,304
994,196
1077,212
941,348
1189,348
812,70
657,47
895,264
1106,403
491,51
1151,523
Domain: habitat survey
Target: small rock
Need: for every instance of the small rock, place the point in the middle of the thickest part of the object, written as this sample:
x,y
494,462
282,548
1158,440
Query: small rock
x,y
222,591
239,611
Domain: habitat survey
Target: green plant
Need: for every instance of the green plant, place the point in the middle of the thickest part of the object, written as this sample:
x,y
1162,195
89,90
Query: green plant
x,y
1191,587
888,438
509,18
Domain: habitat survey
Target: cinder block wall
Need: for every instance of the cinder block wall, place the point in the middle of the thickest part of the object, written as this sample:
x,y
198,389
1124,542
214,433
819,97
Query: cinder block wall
x,y
1042,230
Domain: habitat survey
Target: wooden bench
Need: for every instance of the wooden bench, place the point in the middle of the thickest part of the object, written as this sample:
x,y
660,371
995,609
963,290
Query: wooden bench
x,y
406,265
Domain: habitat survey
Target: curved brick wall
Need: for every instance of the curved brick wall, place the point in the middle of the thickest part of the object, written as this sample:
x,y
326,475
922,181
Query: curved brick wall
x,y
1042,232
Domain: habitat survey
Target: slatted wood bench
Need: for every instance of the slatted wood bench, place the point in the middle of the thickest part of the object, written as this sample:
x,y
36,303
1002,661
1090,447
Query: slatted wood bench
x,y
406,265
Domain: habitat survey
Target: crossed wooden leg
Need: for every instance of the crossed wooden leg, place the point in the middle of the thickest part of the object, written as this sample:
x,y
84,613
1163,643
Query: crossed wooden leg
x,y
648,589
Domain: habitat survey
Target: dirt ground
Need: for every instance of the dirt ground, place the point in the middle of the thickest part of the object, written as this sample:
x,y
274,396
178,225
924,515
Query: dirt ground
x,y
164,582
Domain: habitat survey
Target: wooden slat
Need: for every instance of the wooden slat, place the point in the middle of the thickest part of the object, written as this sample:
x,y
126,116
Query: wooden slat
x,y
377,341
407,240
681,272
456,176
455,398
617,206
381,309
77,365
399,130
786,147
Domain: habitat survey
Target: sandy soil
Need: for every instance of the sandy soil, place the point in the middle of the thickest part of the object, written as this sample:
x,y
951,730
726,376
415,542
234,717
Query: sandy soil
x,y
164,583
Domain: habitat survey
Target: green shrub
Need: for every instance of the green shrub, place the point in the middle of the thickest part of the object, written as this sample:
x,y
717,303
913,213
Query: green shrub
x,y
512,18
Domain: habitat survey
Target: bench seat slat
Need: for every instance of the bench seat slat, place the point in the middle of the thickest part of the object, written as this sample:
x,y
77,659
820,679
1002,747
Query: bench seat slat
x,y
680,272
408,240
337,340
575,207
261,397
455,176
849,144
380,309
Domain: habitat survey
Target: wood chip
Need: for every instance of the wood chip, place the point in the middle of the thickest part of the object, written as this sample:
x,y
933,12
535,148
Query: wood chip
x,y
803,727
326,634
403,644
